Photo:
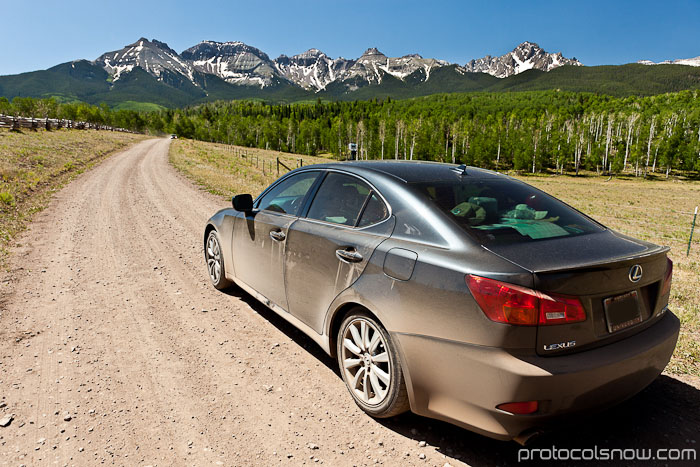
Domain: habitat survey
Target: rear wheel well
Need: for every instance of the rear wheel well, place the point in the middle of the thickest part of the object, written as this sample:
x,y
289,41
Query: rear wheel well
x,y
208,229
337,320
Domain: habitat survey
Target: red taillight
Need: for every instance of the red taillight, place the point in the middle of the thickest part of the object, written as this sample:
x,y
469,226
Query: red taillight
x,y
560,309
666,288
519,408
504,303
513,304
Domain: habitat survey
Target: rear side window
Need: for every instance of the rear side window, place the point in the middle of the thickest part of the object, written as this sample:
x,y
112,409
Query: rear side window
x,y
375,211
505,211
340,200
288,196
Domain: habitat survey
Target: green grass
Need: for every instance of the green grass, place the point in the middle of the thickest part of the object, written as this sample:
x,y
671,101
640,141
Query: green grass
x,y
138,106
228,170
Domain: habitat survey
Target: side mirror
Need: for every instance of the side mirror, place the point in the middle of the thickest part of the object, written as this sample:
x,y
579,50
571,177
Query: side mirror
x,y
243,203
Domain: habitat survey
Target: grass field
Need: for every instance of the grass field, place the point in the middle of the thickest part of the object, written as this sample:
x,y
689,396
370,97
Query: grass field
x,y
34,164
228,170
657,211
138,106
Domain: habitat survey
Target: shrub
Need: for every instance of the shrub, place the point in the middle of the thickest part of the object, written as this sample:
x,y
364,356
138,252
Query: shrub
x,y
7,198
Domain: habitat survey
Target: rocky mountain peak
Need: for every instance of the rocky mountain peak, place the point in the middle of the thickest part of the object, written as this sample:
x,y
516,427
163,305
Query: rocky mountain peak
x,y
234,62
155,57
528,45
207,49
311,53
140,42
312,69
153,44
372,52
526,56
528,49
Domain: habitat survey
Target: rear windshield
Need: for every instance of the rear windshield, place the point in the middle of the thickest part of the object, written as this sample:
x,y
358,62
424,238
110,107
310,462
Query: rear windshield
x,y
505,211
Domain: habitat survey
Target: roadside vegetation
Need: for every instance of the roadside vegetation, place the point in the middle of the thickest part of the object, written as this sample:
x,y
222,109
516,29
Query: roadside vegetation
x,y
34,164
126,115
657,211
534,131
531,132
226,170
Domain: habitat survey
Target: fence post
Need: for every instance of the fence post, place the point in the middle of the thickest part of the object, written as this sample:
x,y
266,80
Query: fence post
x,y
278,166
692,228
301,162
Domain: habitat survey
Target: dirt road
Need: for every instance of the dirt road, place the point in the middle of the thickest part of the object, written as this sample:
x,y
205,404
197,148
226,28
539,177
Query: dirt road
x,y
115,349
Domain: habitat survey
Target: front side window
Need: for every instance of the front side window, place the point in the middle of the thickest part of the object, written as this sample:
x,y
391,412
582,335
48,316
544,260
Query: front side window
x,y
506,211
340,199
288,196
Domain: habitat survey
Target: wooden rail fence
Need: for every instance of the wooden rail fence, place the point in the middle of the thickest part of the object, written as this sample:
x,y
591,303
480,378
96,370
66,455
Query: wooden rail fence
x,y
16,123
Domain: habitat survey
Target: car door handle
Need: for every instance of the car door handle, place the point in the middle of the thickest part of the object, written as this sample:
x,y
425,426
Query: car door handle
x,y
348,256
277,235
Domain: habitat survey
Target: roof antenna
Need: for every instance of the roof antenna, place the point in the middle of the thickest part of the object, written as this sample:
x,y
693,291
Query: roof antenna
x,y
462,169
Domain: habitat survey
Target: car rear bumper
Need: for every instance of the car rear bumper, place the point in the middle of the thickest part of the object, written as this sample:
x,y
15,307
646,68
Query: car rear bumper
x,y
462,383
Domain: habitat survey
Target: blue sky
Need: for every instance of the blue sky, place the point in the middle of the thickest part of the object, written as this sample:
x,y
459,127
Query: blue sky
x,y
37,34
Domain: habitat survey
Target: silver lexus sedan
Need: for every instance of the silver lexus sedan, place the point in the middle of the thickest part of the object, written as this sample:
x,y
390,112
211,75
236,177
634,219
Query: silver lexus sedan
x,y
458,293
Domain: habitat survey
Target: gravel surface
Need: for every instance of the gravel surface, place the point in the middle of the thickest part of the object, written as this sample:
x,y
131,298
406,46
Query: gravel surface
x,y
107,355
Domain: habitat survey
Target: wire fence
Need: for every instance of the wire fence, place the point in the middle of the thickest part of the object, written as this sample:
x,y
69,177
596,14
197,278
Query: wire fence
x,y
628,206
644,223
680,238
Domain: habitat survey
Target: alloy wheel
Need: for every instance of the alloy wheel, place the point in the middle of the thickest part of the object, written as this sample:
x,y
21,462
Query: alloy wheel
x,y
214,258
366,361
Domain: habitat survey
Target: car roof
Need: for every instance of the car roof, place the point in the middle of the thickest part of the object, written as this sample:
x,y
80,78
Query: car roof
x,y
413,171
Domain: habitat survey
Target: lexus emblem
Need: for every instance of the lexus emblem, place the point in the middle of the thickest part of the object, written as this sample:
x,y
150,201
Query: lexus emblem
x,y
635,273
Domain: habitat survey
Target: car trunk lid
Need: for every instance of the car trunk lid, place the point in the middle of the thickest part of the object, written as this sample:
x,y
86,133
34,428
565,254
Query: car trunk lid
x,y
599,270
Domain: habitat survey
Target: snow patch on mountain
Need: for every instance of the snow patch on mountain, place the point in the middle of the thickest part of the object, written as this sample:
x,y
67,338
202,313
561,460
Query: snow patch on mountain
x,y
680,61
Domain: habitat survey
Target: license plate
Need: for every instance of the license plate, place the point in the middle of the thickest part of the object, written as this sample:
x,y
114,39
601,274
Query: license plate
x,y
622,311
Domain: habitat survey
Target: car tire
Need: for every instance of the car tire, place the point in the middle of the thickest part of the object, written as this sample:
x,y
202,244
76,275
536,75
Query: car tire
x,y
215,261
369,364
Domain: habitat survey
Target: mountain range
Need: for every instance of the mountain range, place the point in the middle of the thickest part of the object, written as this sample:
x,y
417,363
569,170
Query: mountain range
x,y
240,64
149,72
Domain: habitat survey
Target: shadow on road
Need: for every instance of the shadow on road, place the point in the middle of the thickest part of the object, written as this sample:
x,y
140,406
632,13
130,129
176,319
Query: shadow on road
x,y
301,339
665,415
